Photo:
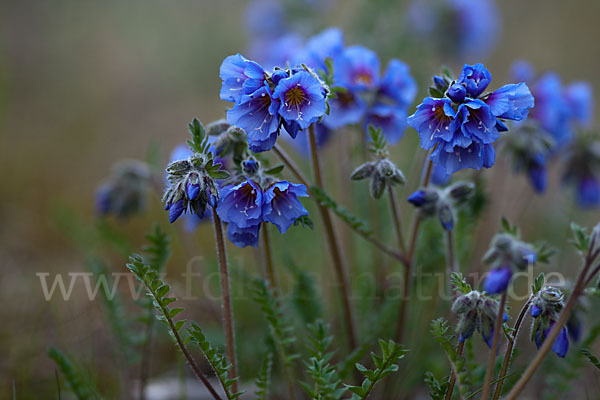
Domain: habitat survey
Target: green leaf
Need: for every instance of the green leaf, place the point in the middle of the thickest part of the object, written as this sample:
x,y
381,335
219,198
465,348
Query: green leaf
x,y
593,359
304,221
538,283
355,223
81,387
275,170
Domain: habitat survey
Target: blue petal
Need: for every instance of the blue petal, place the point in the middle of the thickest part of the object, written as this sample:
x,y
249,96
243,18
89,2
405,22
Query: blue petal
x,y
535,311
398,84
561,343
358,68
476,79
498,280
175,210
281,206
588,192
511,101
390,119
312,103
242,237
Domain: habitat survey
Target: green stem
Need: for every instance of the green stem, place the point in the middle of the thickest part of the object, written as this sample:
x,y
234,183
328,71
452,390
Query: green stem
x,y
509,349
410,258
269,258
226,292
490,369
175,333
396,219
451,266
332,241
549,340
459,351
289,163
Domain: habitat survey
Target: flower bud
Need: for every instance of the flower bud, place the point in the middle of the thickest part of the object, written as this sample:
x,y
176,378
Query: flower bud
x,y
461,191
445,216
126,190
457,93
217,127
363,171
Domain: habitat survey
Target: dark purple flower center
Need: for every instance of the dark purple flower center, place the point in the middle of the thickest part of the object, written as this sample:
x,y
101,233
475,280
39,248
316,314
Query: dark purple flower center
x,y
295,96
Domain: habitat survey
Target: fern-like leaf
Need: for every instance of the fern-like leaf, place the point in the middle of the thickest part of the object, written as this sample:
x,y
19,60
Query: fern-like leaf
x,y
81,387
385,364
354,222
327,384
263,380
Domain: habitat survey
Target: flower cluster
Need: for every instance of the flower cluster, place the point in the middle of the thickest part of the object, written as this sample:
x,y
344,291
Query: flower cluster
x,y
364,95
462,122
263,102
246,206
528,148
583,171
125,192
506,254
546,306
558,109
369,97
442,202
477,312
463,28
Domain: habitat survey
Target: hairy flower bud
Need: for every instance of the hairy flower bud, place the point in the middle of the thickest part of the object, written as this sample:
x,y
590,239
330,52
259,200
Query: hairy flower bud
x,y
546,307
363,171
125,192
477,312
191,186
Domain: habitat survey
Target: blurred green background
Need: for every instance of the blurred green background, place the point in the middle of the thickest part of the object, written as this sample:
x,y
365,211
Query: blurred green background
x,y
84,84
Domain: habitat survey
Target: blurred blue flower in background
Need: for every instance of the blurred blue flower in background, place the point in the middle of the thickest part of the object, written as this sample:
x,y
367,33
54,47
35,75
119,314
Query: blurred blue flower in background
x,y
459,28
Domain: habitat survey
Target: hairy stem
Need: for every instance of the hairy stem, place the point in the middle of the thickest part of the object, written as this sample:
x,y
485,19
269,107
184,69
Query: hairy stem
x,y
564,315
289,163
451,265
490,368
410,257
270,271
226,292
334,247
188,357
459,351
509,349
396,219
146,355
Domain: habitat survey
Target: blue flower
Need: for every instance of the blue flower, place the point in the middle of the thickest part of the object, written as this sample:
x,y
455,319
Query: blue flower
x,y
417,198
281,205
256,113
463,127
536,171
241,204
242,237
580,100
302,98
498,280
439,176
561,344
588,191
460,28
535,311
511,101
328,43
346,108
398,84
358,68
475,78
433,118
264,18
240,76
390,119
